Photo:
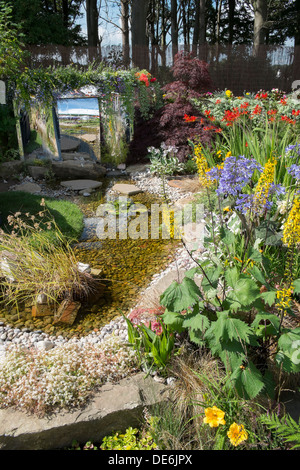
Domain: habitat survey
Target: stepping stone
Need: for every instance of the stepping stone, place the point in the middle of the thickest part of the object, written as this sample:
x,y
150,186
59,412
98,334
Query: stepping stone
x,y
68,144
89,137
28,188
128,189
81,185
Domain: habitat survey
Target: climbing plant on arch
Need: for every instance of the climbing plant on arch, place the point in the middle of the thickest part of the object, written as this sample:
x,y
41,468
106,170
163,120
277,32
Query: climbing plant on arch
x,y
118,93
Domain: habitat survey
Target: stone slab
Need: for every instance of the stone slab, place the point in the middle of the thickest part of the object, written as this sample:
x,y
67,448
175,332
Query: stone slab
x,y
128,189
89,137
80,185
69,144
113,407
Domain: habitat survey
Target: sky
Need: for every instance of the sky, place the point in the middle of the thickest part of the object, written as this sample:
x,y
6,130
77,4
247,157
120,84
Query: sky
x,y
111,35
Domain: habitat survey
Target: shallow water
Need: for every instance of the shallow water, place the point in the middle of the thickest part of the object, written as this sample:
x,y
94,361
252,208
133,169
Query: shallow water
x,y
127,267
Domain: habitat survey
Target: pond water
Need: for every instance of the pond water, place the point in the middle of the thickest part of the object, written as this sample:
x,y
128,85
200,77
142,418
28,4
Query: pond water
x,y
126,266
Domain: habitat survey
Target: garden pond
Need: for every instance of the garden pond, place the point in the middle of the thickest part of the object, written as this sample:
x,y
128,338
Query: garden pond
x,y
126,267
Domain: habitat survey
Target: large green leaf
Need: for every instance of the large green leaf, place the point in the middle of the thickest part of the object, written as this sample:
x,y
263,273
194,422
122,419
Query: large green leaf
x,y
178,297
245,293
288,354
248,381
227,328
174,320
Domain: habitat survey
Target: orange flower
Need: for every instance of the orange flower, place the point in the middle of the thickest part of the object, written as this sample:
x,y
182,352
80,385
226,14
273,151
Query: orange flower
x,y
188,118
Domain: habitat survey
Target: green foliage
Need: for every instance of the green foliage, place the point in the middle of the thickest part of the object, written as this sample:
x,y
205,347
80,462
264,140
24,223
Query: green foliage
x,y
228,314
8,137
164,161
42,24
286,428
154,345
11,44
132,439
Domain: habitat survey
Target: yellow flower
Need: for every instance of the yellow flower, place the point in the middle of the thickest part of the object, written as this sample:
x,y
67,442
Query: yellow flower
x,y
202,166
214,417
291,230
237,434
264,184
228,154
228,93
284,297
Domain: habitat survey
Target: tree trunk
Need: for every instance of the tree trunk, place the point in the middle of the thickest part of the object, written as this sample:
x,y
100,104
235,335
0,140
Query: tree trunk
x,y
199,36
296,63
92,28
259,31
174,27
231,12
139,40
125,31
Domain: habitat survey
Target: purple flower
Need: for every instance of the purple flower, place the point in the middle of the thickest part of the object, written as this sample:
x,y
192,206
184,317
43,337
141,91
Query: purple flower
x,y
292,151
294,170
235,175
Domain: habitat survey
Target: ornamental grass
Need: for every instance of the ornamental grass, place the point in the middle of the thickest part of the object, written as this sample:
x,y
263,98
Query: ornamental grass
x,y
31,264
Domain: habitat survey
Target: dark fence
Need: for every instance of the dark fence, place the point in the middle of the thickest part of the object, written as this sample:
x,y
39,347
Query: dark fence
x,y
238,67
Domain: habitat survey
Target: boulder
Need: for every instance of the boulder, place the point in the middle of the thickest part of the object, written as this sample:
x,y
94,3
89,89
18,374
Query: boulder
x,y
37,172
113,407
10,169
73,169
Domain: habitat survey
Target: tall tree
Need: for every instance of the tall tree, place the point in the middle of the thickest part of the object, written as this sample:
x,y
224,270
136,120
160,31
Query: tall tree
x,y
139,39
92,23
259,29
174,27
125,31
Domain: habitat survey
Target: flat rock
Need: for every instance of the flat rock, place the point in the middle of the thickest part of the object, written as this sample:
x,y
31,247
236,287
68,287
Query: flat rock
x,y
113,407
69,144
28,188
128,189
89,137
81,185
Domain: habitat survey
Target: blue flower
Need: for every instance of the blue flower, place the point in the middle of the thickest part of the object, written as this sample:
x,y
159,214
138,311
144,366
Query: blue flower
x,y
235,175
294,170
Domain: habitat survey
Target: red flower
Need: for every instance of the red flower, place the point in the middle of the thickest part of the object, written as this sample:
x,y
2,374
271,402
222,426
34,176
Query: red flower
x,y
153,80
188,118
283,101
261,96
295,113
231,116
257,109
244,105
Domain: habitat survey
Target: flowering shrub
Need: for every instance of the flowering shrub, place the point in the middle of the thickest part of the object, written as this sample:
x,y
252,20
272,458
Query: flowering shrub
x,y
239,309
63,377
